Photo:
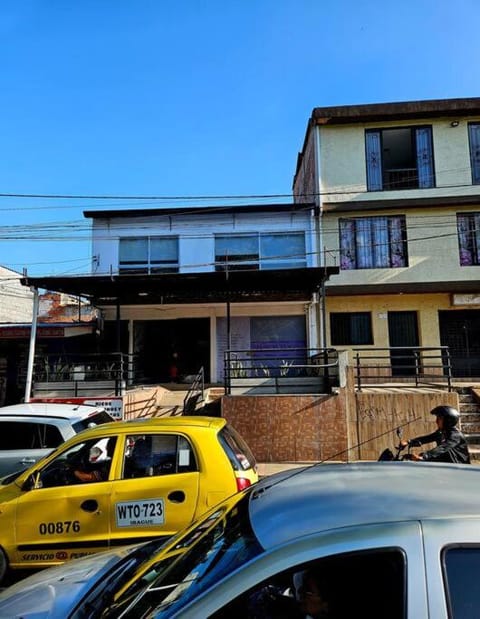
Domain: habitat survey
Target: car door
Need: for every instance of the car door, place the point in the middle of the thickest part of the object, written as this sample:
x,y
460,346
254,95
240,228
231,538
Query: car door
x,y
157,491
452,558
24,441
374,571
58,519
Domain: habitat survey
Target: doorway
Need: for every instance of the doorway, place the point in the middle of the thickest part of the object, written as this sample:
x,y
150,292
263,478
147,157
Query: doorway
x,y
171,350
460,331
403,332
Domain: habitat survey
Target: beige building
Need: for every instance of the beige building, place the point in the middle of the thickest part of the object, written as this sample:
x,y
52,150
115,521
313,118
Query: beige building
x,y
397,188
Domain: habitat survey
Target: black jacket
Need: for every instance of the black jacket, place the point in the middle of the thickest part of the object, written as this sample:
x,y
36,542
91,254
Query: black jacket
x,y
451,446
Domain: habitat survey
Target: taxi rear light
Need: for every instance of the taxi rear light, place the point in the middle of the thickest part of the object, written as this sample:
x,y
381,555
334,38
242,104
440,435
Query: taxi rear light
x,y
242,483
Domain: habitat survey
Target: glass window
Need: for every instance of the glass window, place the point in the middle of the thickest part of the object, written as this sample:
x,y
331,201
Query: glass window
x,y
238,252
163,255
461,567
237,450
218,545
24,435
158,454
373,243
351,328
399,158
376,589
264,251
282,251
148,255
468,227
88,461
133,255
474,136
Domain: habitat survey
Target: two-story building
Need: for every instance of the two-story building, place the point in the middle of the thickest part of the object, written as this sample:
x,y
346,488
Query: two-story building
x,y
397,186
179,286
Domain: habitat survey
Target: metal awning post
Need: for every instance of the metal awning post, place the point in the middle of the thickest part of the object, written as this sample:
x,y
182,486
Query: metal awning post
x,y
31,350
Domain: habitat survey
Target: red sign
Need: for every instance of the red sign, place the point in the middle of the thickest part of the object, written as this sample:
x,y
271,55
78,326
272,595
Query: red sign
x,y
10,333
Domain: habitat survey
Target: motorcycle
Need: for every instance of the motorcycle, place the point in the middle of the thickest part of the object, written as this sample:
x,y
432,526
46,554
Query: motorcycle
x,y
387,455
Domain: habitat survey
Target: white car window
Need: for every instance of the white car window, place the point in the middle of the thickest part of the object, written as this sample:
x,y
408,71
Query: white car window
x,y
461,569
29,435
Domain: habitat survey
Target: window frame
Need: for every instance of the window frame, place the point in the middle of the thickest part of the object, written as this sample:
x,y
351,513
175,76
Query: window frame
x,y
259,261
413,137
475,171
356,245
473,247
348,340
149,265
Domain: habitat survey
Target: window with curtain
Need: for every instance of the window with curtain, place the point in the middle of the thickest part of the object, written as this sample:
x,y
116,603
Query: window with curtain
x,y
351,328
468,227
260,251
474,138
399,158
373,243
148,255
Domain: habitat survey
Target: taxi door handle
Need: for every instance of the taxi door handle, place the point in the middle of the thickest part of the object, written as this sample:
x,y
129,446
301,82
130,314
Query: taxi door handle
x,y
27,460
90,505
177,496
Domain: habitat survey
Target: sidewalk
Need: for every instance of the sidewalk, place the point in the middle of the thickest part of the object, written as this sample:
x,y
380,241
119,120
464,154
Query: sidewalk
x,y
268,468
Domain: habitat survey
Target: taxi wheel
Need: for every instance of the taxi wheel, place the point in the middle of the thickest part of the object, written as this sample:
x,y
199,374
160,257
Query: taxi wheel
x,y
3,565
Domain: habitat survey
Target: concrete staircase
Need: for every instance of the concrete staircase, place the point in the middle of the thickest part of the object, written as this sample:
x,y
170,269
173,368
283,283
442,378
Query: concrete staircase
x,y
470,420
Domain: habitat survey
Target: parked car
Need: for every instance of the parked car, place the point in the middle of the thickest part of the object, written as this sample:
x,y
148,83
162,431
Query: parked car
x,y
146,478
30,431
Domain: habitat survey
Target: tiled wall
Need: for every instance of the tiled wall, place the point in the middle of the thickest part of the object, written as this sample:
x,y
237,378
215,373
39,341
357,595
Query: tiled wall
x,y
290,428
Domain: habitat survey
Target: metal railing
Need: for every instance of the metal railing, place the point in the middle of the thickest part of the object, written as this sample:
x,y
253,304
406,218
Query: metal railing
x,y
76,372
281,370
418,365
195,394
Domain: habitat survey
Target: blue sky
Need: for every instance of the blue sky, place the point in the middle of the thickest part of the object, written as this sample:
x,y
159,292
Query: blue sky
x,y
193,98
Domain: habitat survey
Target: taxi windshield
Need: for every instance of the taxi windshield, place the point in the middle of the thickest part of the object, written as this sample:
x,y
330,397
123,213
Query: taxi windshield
x,y
218,545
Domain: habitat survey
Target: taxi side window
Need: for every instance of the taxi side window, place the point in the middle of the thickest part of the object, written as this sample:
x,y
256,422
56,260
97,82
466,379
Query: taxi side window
x,y
367,584
21,435
158,454
460,568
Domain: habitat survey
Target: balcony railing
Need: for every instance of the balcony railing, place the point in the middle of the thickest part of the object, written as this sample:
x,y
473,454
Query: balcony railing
x,y
77,374
281,370
416,365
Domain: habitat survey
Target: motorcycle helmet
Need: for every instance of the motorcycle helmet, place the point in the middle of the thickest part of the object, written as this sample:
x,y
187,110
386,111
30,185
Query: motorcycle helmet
x,y
450,415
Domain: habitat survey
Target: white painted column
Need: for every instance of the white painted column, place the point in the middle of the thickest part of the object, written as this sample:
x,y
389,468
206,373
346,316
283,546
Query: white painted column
x,y
31,350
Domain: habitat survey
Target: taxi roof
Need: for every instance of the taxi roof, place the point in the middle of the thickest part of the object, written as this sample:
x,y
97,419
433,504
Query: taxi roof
x,y
152,423
330,496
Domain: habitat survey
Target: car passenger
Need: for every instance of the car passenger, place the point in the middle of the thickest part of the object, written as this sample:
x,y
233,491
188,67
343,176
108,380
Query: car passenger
x,y
451,443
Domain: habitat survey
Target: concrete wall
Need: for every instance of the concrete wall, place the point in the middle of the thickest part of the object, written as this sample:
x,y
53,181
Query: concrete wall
x,y
16,302
432,242
343,166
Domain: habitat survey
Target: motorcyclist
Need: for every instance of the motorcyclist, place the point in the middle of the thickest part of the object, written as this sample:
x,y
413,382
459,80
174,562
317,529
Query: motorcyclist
x,y
451,443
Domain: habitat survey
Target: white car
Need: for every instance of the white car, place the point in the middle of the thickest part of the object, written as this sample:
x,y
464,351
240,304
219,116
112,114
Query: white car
x,y
30,431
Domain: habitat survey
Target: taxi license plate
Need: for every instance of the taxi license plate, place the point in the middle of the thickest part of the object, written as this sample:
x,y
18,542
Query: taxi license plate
x,y
140,513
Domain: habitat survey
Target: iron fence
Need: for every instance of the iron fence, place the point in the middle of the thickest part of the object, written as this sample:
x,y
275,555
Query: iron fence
x,y
417,365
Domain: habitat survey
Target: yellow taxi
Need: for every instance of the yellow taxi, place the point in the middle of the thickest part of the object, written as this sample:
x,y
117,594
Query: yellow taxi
x,y
119,483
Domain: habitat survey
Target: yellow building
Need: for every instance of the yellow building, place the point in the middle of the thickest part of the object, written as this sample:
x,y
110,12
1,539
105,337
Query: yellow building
x,y
397,189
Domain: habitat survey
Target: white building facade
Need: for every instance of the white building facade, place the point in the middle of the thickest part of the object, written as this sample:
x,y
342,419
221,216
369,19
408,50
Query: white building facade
x,y
223,243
